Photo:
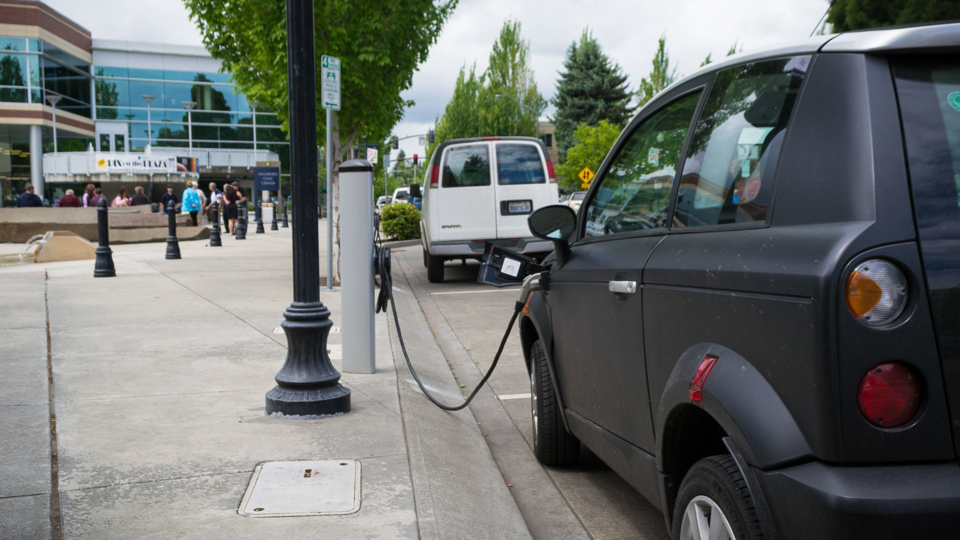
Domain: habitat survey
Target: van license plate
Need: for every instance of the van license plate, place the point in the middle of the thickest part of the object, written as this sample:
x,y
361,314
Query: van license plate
x,y
517,207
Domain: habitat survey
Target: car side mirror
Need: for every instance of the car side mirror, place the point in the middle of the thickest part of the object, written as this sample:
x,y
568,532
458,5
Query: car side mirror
x,y
415,191
556,223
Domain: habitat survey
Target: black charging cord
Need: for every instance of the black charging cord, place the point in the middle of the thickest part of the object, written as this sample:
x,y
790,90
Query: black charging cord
x,y
382,262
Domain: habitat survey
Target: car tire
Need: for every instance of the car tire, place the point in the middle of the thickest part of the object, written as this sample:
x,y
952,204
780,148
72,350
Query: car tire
x,y
714,489
434,268
552,444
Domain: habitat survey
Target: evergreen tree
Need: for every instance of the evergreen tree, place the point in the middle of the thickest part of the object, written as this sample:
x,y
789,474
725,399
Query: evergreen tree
x,y
661,76
846,15
591,88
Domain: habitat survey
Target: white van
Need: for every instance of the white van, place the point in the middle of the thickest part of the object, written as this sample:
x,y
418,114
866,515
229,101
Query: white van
x,y
483,189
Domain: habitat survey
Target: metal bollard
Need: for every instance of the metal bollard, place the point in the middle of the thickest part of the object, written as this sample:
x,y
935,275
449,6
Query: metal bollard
x,y
273,224
173,245
241,227
215,233
104,265
286,224
356,263
259,217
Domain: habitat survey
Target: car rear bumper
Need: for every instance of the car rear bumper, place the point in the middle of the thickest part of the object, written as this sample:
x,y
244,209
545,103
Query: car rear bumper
x,y
815,500
474,248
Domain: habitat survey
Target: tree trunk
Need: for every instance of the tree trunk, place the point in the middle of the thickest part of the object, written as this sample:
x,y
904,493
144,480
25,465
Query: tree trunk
x,y
339,153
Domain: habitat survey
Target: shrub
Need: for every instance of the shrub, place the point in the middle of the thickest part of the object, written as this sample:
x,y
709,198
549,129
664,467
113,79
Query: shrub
x,y
401,220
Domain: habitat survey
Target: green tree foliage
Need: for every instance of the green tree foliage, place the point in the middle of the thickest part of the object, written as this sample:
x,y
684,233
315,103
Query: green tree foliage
x,y
661,76
401,220
107,96
846,15
474,110
707,60
591,144
11,74
591,88
379,45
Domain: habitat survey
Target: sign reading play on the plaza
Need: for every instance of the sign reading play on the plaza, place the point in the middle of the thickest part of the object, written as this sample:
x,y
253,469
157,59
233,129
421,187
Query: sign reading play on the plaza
x,y
135,163
266,178
330,77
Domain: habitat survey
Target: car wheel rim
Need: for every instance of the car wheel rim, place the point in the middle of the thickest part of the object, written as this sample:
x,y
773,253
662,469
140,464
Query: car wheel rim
x,y
704,520
533,404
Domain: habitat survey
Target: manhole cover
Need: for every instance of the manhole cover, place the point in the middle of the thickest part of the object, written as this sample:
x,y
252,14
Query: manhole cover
x,y
303,488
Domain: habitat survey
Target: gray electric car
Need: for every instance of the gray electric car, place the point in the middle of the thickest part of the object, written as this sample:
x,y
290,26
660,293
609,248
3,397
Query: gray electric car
x,y
754,317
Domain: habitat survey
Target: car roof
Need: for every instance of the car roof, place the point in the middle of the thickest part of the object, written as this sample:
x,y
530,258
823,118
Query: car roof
x,y
450,142
918,38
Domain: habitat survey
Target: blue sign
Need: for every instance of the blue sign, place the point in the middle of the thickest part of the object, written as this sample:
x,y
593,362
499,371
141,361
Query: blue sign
x,y
266,178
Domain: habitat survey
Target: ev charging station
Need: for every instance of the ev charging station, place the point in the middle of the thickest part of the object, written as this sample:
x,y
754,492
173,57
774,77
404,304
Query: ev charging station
x,y
356,266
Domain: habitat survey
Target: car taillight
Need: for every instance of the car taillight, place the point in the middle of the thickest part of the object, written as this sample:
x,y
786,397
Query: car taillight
x,y
550,173
876,292
889,394
700,377
434,175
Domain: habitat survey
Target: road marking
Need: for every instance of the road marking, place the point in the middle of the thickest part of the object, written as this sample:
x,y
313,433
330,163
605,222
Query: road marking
x,y
505,397
474,292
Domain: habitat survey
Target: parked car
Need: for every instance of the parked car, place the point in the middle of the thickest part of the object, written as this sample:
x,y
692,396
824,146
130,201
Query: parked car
x,y
756,318
575,200
382,201
483,189
403,195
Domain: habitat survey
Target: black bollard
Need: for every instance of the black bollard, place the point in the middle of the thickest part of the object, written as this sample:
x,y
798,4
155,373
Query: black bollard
x,y
286,224
215,233
259,216
104,265
241,221
273,224
173,245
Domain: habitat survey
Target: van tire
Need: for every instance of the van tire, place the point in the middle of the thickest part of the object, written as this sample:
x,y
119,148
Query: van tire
x,y
716,480
434,268
552,444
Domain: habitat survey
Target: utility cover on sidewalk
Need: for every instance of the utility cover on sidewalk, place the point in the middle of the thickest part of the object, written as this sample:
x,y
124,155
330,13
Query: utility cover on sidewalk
x,y
303,488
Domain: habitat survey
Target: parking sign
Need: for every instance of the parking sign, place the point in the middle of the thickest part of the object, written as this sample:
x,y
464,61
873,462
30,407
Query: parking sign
x,y
330,77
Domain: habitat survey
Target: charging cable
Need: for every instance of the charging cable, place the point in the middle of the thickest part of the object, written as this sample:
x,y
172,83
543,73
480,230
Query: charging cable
x,y
382,268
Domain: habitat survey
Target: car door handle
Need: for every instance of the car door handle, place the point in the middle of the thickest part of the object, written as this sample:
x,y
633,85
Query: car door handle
x,y
623,287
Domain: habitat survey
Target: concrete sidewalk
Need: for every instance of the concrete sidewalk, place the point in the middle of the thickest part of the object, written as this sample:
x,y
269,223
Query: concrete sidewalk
x,y
133,407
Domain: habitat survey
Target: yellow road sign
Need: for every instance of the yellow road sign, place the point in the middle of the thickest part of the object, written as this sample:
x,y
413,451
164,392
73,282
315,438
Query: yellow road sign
x,y
586,175
584,186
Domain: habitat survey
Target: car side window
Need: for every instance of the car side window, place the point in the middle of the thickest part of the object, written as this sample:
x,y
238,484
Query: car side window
x,y
466,166
635,191
729,170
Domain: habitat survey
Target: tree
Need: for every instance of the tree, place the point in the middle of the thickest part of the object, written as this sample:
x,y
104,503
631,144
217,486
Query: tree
x,y
11,74
847,15
661,76
107,96
380,46
461,117
591,88
706,60
591,146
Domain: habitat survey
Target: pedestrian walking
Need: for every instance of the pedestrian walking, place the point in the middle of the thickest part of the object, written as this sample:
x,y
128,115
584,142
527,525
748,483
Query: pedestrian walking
x,y
121,199
230,197
29,199
167,197
87,195
191,202
139,198
97,195
216,196
69,200
203,197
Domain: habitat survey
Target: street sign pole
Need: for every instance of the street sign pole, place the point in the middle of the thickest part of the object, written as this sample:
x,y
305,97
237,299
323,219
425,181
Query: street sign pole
x,y
330,89
329,200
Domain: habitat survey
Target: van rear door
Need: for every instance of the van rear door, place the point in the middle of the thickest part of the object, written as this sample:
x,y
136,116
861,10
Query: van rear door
x,y
521,186
465,196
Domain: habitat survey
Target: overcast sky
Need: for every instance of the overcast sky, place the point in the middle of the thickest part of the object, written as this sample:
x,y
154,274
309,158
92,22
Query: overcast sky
x,y
626,29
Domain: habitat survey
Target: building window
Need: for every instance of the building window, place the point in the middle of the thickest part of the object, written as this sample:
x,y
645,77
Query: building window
x,y
547,139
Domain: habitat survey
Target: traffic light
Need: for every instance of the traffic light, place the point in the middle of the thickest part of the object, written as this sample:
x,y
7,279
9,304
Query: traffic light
x,y
431,136
414,159
396,143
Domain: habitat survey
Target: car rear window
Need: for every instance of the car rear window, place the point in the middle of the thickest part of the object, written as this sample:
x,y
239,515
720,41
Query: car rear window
x,y
579,196
519,164
466,166
730,167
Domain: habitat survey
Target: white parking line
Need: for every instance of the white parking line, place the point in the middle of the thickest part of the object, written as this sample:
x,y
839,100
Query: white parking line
x,y
505,397
474,292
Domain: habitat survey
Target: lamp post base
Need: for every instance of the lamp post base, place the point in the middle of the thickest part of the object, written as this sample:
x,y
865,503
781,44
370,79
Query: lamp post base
x,y
103,267
308,384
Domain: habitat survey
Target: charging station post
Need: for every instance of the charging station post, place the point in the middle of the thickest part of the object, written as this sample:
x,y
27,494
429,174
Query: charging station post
x,y
356,262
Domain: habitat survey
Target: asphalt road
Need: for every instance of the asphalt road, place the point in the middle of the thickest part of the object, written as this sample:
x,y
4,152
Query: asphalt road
x,y
605,506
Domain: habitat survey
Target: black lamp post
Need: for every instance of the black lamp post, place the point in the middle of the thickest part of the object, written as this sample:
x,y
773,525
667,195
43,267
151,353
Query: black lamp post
x,y
308,384
173,244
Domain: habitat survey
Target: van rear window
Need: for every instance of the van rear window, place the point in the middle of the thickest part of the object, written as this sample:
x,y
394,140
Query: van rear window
x,y
519,164
466,166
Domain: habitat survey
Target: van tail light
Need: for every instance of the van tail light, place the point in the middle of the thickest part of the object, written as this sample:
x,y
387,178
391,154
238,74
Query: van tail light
x,y
876,292
550,173
700,377
434,175
491,138
889,394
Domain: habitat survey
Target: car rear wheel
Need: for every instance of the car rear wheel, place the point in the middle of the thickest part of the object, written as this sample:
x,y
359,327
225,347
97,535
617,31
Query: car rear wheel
x,y
715,504
434,268
552,445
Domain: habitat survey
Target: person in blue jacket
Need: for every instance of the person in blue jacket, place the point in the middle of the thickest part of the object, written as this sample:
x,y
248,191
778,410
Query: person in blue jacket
x,y
191,202
28,198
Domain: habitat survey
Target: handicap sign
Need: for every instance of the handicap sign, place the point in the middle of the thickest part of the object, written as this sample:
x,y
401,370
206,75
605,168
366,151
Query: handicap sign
x,y
586,175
